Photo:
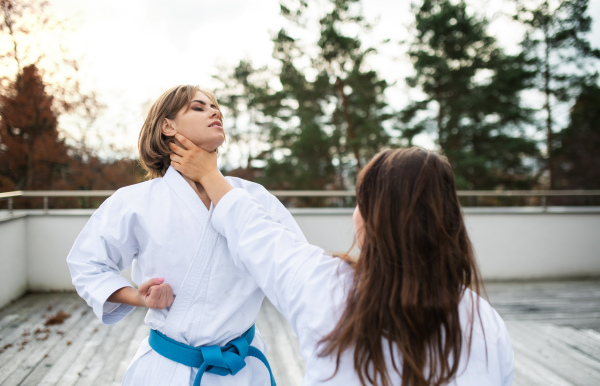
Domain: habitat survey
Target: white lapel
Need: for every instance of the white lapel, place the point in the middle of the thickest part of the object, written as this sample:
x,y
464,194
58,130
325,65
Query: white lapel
x,y
194,280
187,194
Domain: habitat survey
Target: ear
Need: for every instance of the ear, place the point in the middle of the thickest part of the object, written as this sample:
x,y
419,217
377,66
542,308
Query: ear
x,y
168,129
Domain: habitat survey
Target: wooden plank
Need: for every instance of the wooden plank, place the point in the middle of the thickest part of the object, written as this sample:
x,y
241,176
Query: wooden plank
x,y
58,342
77,338
112,370
578,340
557,357
30,351
540,317
132,344
108,341
85,354
24,320
592,335
15,312
567,303
530,372
51,368
283,351
49,361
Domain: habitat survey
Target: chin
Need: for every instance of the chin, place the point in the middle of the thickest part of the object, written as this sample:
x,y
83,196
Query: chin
x,y
211,146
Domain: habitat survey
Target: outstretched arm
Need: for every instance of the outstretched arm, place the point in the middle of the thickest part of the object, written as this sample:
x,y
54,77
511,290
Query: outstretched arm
x,y
200,166
300,279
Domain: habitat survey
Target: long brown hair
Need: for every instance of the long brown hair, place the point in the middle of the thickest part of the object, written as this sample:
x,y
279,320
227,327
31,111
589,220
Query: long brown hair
x,y
153,145
415,263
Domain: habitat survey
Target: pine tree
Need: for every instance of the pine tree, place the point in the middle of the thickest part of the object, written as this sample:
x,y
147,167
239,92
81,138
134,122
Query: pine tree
x,y
472,103
32,156
338,100
560,55
577,146
244,95
324,116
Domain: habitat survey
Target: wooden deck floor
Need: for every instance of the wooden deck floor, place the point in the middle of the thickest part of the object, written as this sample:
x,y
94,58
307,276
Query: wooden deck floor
x,y
554,327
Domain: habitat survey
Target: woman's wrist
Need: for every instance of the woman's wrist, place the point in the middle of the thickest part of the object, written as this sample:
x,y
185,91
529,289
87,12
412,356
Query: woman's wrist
x,y
127,295
213,176
216,185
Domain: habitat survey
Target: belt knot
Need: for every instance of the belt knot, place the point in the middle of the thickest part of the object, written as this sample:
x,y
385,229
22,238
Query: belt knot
x,y
226,360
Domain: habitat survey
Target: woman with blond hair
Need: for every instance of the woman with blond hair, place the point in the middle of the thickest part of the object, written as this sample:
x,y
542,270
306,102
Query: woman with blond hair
x,y
406,311
202,307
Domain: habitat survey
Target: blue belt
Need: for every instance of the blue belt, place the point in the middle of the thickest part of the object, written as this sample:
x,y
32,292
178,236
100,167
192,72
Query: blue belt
x,y
225,360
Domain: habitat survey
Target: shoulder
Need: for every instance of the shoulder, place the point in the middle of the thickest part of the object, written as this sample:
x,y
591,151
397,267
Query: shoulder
x,y
486,320
127,196
269,202
256,190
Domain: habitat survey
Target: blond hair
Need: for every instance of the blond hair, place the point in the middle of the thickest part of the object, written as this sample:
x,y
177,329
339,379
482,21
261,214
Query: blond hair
x,y
153,145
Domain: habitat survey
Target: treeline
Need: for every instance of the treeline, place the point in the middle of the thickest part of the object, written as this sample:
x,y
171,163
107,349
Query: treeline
x,y
313,118
34,156
322,109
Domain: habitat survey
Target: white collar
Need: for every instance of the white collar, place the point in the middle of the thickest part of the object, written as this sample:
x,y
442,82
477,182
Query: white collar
x,y
187,194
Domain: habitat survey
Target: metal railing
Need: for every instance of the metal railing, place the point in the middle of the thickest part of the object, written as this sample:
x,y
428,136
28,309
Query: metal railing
x,y
46,194
543,194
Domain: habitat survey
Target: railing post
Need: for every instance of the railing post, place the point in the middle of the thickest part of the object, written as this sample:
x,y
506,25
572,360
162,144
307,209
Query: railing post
x,y
45,204
10,205
544,203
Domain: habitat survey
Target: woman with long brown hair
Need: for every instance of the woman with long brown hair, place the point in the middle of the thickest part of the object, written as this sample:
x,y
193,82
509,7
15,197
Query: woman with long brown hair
x,y
406,311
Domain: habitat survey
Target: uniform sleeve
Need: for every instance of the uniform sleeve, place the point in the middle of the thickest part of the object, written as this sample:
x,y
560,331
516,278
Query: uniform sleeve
x,y
298,278
283,216
97,259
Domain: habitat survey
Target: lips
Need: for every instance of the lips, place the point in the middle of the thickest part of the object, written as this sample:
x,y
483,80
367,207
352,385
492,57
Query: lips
x,y
216,124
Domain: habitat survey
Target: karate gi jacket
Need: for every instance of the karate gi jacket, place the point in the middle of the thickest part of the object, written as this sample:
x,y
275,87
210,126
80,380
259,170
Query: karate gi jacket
x,y
157,228
310,289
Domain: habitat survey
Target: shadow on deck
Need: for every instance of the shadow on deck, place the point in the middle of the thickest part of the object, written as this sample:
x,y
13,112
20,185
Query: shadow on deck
x,y
554,327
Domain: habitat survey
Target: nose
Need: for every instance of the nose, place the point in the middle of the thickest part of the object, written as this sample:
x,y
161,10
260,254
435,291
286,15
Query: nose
x,y
216,113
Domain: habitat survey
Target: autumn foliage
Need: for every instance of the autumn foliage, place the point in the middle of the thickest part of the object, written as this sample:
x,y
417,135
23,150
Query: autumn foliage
x,y
33,156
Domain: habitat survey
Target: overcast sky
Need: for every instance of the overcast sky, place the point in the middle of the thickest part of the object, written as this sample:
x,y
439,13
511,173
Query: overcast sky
x,y
134,50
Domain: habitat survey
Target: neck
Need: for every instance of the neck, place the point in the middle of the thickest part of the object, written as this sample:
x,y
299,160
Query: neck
x,y
200,191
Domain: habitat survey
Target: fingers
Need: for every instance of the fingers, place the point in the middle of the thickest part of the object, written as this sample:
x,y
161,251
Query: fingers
x,y
185,142
176,149
193,162
177,166
160,296
176,158
169,298
156,293
143,288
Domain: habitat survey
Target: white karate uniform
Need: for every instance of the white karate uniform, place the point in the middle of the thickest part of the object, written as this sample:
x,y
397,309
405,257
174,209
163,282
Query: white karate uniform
x,y
157,227
310,288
